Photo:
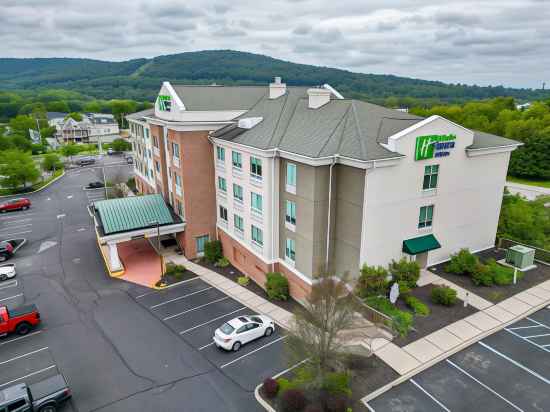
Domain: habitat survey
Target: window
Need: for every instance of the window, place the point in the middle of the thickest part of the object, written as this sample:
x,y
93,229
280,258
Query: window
x,y
426,216
291,177
147,133
179,208
430,177
291,212
155,141
223,213
157,166
238,222
200,242
256,167
222,184
176,150
257,235
237,160
220,153
290,251
16,405
178,180
256,202
238,192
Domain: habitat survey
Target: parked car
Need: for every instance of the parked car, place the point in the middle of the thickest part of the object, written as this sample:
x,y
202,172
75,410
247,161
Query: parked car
x,y
110,151
7,271
7,249
44,396
19,320
241,330
83,161
129,160
95,185
21,203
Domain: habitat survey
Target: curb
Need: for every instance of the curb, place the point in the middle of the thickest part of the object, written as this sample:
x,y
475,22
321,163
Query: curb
x,y
176,284
261,401
445,355
37,190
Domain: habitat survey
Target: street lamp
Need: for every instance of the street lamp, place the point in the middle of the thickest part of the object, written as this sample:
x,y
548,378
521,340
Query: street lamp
x,y
157,224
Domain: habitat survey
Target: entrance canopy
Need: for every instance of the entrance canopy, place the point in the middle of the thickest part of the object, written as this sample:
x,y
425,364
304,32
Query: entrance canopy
x,y
420,244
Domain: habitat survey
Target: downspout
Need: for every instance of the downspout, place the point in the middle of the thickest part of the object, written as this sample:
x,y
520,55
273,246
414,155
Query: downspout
x,y
329,215
273,205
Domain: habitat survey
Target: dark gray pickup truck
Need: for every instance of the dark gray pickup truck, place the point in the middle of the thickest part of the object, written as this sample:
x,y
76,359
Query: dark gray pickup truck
x,y
44,396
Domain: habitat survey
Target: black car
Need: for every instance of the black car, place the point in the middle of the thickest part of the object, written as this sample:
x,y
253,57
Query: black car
x,y
7,249
95,185
44,396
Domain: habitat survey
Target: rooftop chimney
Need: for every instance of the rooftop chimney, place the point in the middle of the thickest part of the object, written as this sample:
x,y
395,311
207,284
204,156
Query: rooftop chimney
x,y
318,97
276,89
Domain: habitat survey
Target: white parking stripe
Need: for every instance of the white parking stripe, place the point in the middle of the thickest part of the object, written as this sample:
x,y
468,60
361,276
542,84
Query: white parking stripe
x,y
27,376
254,351
516,363
160,292
485,386
527,340
15,233
538,323
11,297
11,285
7,227
24,356
16,216
536,336
11,222
525,327
211,320
370,408
21,337
180,297
206,346
429,395
198,307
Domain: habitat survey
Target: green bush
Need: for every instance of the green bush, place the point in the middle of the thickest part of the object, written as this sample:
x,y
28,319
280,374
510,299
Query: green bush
x,y
372,281
213,251
462,263
401,321
172,269
444,295
51,162
482,276
406,272
243,280
276,286
337,382
418,307
502,275
223,262
285,384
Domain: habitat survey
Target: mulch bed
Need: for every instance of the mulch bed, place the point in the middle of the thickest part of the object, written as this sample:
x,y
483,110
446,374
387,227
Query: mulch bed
x,y
368,375
170,280
496,293
232,273
439,317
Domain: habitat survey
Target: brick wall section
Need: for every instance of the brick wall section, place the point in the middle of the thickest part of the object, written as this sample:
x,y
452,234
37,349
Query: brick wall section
x,y
256,269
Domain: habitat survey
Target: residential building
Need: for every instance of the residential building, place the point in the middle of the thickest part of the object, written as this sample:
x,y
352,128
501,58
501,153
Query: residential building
x,y
303,181
93,128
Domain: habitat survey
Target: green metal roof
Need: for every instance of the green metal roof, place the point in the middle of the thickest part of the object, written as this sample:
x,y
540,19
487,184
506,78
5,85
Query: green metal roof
x,y
420,244
132,213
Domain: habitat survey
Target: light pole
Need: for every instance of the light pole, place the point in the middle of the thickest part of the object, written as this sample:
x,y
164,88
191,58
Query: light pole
x,y
157,224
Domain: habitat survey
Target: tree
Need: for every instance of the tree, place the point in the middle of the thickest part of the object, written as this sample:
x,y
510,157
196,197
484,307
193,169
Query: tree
x,y
21,124
121,145
70,150
17,168
51,162
75,116
317,330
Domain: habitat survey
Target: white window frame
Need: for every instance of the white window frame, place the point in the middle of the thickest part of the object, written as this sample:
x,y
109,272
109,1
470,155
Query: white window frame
x,y
291,188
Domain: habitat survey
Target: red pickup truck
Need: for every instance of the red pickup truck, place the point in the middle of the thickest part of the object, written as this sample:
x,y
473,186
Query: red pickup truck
x,y
19,320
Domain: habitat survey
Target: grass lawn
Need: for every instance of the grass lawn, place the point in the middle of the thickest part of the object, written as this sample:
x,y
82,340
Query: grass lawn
x,y
36,186
539,183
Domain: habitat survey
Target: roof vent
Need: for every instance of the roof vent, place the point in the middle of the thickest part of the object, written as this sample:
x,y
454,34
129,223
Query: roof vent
x,y
249,122
276,89
318,97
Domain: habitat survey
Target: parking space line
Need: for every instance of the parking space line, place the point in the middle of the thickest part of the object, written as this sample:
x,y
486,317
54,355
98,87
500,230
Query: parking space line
x,y
180,297
516,363
11,285
24,355
159,292
370,408
11,222
6,226
11,297
429,395
206,346
16,233
210,321
525,327
527,340
538,323
27,376
21,337
536,336
485,386
254,351
195,308
15,216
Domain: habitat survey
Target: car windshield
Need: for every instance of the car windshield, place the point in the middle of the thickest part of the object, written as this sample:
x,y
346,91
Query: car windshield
x,y
227,328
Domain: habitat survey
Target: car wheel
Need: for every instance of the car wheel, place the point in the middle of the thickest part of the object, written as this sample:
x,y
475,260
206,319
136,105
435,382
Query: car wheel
x,y
48,408
3,258
236,346
3,277
268,332
23,328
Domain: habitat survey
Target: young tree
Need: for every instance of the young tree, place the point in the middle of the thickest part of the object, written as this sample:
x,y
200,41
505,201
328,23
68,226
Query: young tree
x,y
51,162
70,150
121,145
75,116
17,169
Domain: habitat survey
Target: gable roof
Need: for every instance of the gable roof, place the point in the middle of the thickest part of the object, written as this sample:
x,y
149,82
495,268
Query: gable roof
x,y
484,140
213,98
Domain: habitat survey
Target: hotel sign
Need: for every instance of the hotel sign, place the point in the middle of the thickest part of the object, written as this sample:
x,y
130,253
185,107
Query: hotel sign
x,y
435,145
164,102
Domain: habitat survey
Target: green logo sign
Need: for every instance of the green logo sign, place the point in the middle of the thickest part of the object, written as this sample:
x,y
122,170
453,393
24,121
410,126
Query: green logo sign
x,y
435,145
165,103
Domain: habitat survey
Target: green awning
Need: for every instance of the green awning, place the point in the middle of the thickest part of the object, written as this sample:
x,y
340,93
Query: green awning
x,y
420,244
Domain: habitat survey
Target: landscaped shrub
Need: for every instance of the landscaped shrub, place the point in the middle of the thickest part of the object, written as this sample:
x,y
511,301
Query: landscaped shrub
x,y
502,275
293,400
271,387
401,321
243,280
337,383
176,271
213,251
444,295
337,403
482,276
223,262
462,263
276,286
285,385
372,281
418,307
405,271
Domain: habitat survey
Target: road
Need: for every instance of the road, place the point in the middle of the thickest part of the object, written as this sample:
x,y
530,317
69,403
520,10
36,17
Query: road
x,y
528,191
115,354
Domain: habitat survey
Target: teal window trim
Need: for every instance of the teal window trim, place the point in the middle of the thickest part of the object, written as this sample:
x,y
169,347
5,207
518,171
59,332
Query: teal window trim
x,y
238,223
238,192
222,184
290,250
220,153
237,159
256,167
291,174
200,242
256,202
291,212
431,175
223,213
257,235
425,218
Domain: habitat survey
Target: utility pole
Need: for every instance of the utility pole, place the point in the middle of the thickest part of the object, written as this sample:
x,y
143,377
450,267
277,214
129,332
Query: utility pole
x,y
157,223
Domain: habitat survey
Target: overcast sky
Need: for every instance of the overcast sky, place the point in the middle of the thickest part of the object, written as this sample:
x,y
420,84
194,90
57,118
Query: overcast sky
x,y
483,42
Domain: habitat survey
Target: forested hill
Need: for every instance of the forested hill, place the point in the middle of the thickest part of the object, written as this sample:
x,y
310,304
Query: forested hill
x,y
140,79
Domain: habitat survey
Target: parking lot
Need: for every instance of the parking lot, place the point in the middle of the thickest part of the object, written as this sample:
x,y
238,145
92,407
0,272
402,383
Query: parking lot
x,y
194,310
509,370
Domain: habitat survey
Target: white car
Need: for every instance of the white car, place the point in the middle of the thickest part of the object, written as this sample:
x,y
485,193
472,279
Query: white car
x,y
7,271
241,330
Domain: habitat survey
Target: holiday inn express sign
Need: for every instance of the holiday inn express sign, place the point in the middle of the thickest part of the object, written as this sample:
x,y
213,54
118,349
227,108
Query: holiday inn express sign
x,y
164,102
435,145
